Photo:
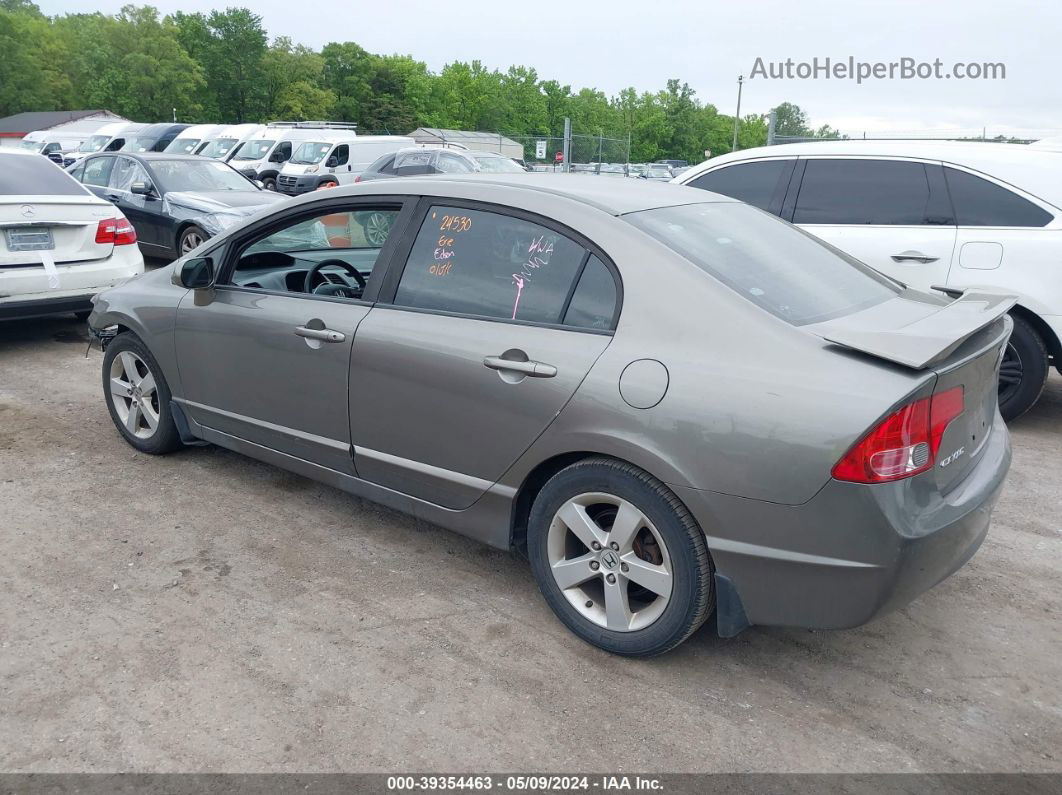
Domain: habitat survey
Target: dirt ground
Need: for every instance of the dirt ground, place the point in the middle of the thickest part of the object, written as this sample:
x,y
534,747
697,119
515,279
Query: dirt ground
x,y
204,612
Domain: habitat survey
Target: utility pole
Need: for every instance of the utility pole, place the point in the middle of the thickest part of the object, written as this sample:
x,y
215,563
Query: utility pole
x,y
566,166
175,115
737,115
772,124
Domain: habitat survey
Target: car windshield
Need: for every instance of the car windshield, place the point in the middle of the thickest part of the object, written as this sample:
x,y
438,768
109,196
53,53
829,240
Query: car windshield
x,y
198,175
94,144
31,145
776,266
310,152
497,164
140,144
219,147
659,171
253,150
184,146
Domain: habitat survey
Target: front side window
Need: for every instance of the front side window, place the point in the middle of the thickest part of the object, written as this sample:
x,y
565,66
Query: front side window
x,y
753,183
332,253
848,191
414,162
979,202
340,156
776,266
475,262
497,165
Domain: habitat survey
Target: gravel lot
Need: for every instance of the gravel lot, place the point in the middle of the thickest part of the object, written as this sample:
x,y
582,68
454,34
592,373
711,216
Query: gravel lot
x,y
205,612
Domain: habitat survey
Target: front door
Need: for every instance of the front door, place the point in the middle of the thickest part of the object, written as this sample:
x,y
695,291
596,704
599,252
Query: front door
x,y
264,355
477,354
145,213
894,215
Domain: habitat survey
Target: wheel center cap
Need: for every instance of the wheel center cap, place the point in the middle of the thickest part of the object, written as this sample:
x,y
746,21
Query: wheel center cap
x,y
610,559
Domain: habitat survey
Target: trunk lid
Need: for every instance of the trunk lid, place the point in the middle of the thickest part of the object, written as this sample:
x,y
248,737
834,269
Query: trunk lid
x,y
961,342
63,227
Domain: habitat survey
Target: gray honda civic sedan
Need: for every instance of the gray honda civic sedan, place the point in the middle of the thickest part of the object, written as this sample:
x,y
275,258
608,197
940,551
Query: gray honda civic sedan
x,y
676,405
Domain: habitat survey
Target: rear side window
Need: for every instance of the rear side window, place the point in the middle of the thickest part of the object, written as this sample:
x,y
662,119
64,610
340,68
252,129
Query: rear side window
x,y
25,175
451,164
474,262
844,191
752,183
979,202
593,303
776,266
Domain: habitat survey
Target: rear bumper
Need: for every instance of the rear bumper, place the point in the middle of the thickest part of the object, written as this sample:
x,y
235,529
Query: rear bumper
x,y
24,292
852,552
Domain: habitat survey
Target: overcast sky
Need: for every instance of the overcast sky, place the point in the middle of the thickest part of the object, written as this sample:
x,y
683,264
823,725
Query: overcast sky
x,y
707,43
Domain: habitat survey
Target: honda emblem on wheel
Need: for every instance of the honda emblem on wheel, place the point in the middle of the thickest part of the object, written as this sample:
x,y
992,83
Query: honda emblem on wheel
x,y
610,559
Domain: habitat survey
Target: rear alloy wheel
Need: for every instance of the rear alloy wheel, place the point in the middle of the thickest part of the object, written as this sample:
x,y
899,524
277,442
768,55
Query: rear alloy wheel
x,y
191,238
619,558
1023,371
377,228
138,397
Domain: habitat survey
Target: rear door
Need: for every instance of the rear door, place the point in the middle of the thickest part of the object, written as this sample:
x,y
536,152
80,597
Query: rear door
x,y
890,213
496,318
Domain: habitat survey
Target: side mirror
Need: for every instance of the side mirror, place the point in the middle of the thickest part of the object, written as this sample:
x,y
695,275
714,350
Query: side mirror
x,y
141,188
197,273
276,157
332,162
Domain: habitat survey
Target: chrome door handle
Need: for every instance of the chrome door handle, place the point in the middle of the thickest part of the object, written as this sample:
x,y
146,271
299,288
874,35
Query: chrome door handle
x,y
913,256
322,334
532,369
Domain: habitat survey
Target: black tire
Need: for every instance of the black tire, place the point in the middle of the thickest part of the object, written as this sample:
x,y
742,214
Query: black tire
x,y
269,183
189,235
692,597
1024,371
165,437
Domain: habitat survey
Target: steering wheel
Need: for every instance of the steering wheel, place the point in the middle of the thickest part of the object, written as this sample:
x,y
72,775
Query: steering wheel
x,y
315,271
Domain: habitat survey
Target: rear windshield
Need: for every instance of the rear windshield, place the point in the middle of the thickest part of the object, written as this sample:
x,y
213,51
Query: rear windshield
x,y
23,175
776,266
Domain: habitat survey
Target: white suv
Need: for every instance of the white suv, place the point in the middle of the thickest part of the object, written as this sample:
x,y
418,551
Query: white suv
x,y
933,215
59,244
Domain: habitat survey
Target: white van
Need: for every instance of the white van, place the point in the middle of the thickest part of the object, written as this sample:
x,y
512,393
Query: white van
x,y
108,138
328,161
224,143
262,158
191,138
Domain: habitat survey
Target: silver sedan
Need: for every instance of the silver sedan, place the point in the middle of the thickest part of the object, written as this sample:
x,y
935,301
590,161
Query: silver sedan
x,y
675,405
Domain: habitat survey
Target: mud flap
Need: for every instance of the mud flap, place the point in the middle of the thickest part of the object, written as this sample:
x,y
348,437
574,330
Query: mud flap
x,y
730,618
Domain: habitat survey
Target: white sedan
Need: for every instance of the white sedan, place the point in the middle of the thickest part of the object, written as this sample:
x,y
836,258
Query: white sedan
x,y
59,243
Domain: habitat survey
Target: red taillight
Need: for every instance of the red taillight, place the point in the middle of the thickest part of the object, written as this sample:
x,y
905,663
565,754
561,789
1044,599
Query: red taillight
x,y
124,234
904,443
115,232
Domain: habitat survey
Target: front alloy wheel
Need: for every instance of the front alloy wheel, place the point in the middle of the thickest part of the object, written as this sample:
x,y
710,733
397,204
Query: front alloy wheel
x,y
192,238
134,395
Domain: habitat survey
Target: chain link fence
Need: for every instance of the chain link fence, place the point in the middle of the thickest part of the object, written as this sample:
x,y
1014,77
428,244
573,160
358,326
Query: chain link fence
x,y
587,153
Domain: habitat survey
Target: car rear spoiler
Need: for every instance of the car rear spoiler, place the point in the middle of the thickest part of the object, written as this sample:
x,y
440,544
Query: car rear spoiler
x,y
917,334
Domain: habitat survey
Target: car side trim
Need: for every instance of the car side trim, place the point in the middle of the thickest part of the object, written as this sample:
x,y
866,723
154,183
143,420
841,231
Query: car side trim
x,y
322,441
478,485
